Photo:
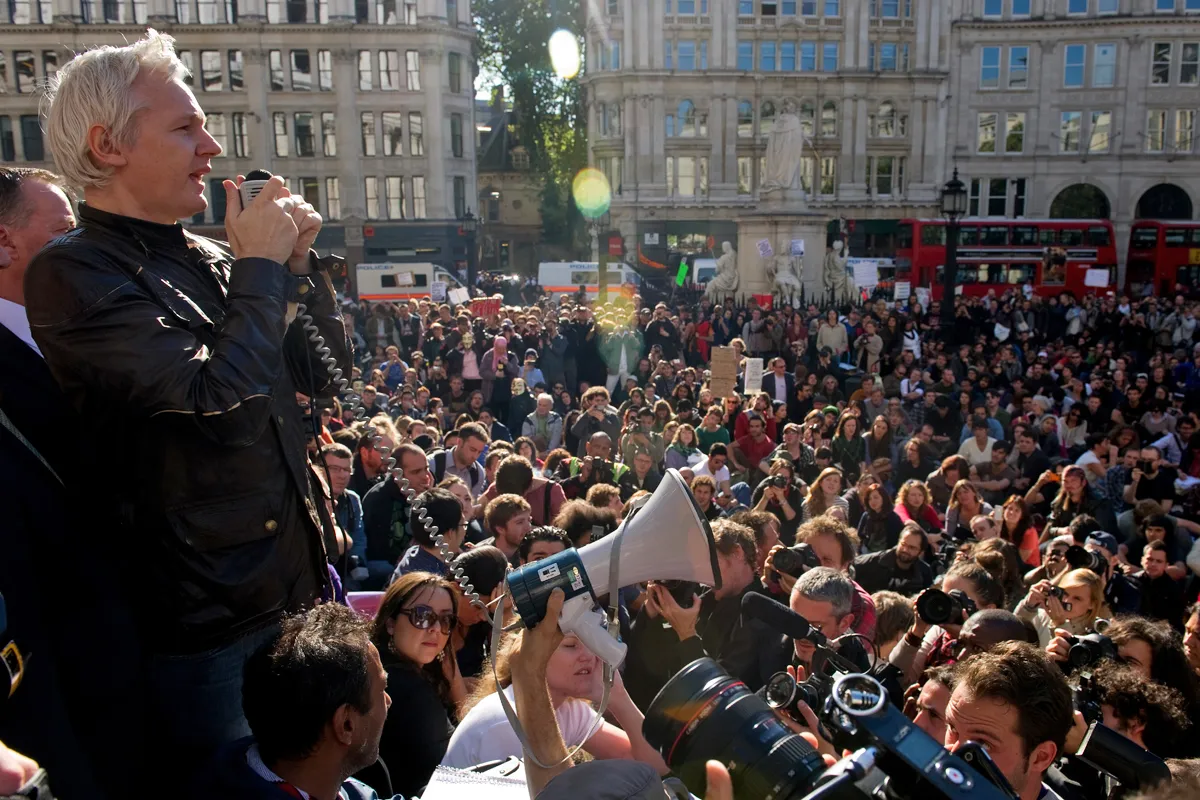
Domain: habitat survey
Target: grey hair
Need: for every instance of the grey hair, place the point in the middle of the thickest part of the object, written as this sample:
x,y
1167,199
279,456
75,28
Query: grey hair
x,y
545,396
96,88
826,585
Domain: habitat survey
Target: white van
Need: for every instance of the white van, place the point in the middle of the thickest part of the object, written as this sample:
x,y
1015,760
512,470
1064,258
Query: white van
x,y
565,277
392,282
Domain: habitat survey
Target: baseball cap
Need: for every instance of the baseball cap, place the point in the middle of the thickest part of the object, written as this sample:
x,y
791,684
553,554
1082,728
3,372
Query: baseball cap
x,y
531,352
1105,540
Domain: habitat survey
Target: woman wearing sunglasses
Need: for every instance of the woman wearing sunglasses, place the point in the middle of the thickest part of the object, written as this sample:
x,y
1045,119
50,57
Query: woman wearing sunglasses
x,y
412,633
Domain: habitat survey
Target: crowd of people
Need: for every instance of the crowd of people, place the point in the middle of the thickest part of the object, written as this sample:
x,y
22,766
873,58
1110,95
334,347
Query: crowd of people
x,y
959,510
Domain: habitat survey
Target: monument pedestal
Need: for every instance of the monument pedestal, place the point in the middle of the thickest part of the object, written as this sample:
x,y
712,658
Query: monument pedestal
x,y
780,219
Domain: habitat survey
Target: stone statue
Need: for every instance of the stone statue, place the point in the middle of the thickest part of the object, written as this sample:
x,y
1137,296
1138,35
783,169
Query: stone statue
x,y
782,270
838,283
725,282
784,145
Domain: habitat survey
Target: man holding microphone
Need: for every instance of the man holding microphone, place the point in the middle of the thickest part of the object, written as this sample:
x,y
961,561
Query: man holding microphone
x,y
184,360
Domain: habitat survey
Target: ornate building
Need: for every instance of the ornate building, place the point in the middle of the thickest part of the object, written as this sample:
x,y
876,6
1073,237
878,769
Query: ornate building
x,y
365,106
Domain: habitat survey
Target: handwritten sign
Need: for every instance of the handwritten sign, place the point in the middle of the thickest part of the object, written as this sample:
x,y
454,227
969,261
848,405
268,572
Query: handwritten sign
x,y
485,307
764,248
437,291
754,376
903,290
866,272
724,369
458,296
1096,277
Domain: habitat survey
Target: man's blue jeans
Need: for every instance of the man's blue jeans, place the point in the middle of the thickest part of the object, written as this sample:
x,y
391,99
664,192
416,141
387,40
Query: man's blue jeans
x,y
196,703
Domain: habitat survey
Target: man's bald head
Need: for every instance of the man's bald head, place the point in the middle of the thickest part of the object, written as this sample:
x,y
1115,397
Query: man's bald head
x,y
983,630
599,445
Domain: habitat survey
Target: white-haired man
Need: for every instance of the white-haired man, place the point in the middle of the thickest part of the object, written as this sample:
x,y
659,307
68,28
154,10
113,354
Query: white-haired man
x,y
544,425
179,351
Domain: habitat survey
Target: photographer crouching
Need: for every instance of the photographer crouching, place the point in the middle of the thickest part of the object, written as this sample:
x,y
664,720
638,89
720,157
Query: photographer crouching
x,y
184,362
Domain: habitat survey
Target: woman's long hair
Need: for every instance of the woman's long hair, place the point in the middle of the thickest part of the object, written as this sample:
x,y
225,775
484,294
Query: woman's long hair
x,y
926,498
817,502
962,485
398,594
1095,586
1023,524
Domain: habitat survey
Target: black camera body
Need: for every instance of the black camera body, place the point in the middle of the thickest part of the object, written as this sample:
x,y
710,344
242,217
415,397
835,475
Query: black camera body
x,y
1061,594
1088,650
683,592
939,608
778,481
1082,558
797,559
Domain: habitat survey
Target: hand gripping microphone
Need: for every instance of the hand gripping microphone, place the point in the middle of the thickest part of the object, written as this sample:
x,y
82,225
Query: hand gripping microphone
x,y
255,180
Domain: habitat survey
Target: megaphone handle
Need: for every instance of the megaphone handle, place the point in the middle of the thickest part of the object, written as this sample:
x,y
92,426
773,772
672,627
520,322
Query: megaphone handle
x,y
578,618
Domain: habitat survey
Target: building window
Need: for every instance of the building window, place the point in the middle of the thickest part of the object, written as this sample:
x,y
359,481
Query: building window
x,y
275,64
1073,64
829,124
766,116
460,196
365,79
613,8
279,121
989,68
787,57
329,133
211,77
1156,130
393,133
367,126
808,56
668,49
333,199
215,125
389,70
413,61
687,119
1104,65
745,175
1185,130
745,56
993,8
1160,63
669,126
8,143
888,175
829,57
888,9
1068,131
1189,64
455,62
831,8
189,64
885,121
31,138
808,119
828,176
306,136
1107,6
887,57
216,192
615,54
237,73
241,136
416,134
687,55
26,70
1014,132
310,191
986,138
745,119
1018,67
1077,6
456,135
1164,5
325,70
766,56
418,197
371,184
24,12
1020,8
1098,138
393,188
301,71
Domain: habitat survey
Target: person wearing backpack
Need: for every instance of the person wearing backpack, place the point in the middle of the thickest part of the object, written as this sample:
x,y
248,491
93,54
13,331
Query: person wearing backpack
x,y
462,460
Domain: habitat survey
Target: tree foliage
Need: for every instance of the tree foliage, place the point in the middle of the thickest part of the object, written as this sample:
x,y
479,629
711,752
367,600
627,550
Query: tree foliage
x,y
513,37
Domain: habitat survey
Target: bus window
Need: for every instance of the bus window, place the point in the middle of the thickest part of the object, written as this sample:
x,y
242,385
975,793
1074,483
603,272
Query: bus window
x,y
1188,274
1144,238
969,234
1024,235
974,273
1097,235
1049,236
904,236
994,235
1071,237
584,278
420,279
1020,273
933,235
387,281
1196,236
1175,237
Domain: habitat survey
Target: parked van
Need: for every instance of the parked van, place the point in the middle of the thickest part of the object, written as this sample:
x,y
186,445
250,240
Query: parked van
x,y
565,277
391,282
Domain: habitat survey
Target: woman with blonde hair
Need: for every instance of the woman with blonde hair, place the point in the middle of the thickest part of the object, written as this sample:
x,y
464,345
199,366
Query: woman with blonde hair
x,y
825,494
1075,609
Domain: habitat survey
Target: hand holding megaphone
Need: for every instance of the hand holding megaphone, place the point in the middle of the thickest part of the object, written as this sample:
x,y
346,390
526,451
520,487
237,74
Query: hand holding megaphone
x,y
257,226
306,219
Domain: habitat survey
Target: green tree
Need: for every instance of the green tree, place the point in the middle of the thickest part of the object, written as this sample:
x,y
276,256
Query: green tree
x,y
512,44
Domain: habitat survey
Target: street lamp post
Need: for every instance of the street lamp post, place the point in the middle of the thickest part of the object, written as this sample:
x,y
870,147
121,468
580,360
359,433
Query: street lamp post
x,y
469,226
954,208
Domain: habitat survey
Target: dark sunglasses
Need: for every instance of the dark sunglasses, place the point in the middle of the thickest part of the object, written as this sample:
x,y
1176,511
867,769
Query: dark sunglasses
x,y
423,618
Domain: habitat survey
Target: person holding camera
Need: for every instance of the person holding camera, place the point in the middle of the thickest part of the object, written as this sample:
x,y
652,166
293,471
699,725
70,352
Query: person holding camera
x,y
779,495
1071,602
1075,497
932,640
577,475
1150,481
597,417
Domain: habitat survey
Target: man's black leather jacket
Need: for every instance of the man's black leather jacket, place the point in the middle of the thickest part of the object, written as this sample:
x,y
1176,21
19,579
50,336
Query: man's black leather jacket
x,y
185,372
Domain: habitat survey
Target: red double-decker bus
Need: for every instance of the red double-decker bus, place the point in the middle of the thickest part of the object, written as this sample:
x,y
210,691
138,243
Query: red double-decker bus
x,y
1054,255
1162,253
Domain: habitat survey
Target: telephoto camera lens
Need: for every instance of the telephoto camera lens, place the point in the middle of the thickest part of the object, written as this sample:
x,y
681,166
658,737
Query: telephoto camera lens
x,y
937,607
1087,650
1082,558
702,713
796,560
783,693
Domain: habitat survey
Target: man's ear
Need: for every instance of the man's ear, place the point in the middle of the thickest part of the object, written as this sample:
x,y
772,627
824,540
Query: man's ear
x,y
1042,758
103,149
343,724
8,248
845,622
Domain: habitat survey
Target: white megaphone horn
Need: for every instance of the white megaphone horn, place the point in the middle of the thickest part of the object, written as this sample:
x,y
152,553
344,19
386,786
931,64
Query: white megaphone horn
x,y
667,538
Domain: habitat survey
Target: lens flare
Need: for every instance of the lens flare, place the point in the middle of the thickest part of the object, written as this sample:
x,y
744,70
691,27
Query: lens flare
x,y
591,192
564,54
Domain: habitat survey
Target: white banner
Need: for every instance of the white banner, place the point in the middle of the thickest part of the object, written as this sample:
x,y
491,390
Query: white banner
x,y
754,376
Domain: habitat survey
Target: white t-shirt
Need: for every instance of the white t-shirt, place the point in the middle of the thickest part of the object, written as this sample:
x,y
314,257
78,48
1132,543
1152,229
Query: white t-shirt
x,y
1089,458
485,735
971,452
721,476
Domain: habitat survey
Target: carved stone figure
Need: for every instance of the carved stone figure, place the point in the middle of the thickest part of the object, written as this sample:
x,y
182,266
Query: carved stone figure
x,y
838,284
784,145
725,282
783,271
